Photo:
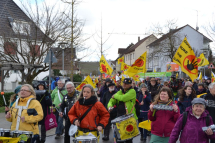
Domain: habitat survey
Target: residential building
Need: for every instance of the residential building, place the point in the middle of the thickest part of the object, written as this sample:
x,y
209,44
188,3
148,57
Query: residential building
x,y
163,49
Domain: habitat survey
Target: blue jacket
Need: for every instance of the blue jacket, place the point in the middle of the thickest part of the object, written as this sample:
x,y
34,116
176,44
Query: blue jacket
x,y
145,106
184,104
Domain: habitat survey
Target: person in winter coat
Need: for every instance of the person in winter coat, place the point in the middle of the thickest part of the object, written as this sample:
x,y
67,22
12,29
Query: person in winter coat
x,y
45,100
210,98
106,98
153,88
30,114
68,101
96,119
163,121
57,96
196,119
144,99
185,96
104,88
201,89
125,100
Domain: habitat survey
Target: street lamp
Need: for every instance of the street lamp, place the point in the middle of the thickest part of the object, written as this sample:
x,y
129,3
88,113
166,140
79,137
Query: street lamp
x,y
63,47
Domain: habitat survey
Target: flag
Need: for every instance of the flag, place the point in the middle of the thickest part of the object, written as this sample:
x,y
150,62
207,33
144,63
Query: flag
x,y
186,59
138,66
87,80
9,140
202,61
104,66
176,75
136,77
121,60
212,74
154,70
122,79
200,76
124,66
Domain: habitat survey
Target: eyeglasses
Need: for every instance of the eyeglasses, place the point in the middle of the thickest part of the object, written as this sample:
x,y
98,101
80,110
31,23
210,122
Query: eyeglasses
x,y
25,90
69,88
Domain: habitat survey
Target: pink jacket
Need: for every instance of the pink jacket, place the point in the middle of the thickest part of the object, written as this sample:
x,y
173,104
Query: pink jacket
x,y
163,122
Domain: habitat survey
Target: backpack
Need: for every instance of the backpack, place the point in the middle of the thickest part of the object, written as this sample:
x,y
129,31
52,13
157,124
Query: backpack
x,y
184,120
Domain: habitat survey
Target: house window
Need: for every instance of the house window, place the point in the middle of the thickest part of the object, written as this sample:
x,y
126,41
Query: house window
x,y
130,56
21,27
35,50
133,55
10,48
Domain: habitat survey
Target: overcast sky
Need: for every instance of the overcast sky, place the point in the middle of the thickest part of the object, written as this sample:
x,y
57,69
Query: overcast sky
x,y
136,17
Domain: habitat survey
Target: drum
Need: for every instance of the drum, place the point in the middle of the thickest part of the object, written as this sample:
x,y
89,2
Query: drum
x,y
15,134
125,127
25,137
85,139
6,132
1,132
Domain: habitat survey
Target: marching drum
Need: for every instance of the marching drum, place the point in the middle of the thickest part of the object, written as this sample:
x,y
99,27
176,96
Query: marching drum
x,y
85,139
125,127
6,132
25,137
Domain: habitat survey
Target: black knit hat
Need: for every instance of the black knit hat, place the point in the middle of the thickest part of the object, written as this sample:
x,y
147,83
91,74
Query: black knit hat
x,y
111,84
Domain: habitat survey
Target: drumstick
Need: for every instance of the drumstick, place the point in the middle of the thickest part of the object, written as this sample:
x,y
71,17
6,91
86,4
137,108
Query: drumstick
x,y
5,103
14,111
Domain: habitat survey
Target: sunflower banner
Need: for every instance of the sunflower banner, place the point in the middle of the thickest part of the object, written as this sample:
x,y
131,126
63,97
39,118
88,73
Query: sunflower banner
x,y
138,66
104,66
9,140
124,66
121,60
87,80
186,59
136,77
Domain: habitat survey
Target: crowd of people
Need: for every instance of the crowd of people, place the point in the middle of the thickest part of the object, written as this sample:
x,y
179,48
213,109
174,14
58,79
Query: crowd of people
x,y
191,107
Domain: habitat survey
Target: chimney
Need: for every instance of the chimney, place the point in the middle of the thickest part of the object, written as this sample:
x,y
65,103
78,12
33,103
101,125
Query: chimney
x,y
138,38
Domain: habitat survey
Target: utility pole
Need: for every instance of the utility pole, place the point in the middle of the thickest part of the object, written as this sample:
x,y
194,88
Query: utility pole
x,y
101,44
72,36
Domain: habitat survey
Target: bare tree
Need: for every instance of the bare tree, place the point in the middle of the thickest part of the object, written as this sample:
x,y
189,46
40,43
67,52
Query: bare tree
x,y
168,43
32,36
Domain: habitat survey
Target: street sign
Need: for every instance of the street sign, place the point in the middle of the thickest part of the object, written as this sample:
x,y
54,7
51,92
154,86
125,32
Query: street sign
x,y
54,60
211,66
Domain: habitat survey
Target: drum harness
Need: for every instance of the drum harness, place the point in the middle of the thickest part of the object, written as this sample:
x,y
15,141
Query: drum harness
x,y
21,108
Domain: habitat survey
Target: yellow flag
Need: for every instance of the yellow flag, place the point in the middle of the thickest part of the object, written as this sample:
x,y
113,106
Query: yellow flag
x,y
121,60
124,66
136,77
122,79
176,75
200,76
138,66
87,80
154,70
202,61
104,66
186,59
212,74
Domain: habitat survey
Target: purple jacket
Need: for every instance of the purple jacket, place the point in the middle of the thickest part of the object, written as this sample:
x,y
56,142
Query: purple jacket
x,y
192,132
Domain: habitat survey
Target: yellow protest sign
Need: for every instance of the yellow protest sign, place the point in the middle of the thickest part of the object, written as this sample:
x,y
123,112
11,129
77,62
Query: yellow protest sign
x,y
104,66
200,76
124,66
9,140
138,66
186,59
87,80
202,61
136,77
121,60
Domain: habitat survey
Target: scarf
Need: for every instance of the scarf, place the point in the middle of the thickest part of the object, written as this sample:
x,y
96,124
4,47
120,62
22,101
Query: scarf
x,y
163,103
71,94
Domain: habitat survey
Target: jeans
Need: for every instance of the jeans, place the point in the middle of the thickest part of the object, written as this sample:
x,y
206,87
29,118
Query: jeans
x,y
60,126
34,138
141,129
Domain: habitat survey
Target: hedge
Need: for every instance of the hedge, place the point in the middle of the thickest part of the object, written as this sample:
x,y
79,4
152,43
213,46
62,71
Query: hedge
x,y
7,98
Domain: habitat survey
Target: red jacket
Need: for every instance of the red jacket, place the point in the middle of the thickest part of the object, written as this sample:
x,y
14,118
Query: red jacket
x,y
97,116
163,122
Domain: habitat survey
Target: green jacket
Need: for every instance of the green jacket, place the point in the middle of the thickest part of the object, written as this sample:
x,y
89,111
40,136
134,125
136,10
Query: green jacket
x,y
55,96
129,98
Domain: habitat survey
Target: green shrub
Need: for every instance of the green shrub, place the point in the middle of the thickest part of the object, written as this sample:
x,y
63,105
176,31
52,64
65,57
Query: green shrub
x,y
7,98
77,78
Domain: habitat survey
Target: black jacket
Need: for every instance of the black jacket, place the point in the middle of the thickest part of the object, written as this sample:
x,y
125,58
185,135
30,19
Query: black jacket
x,y
209,108
45,101
67,103
154,90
